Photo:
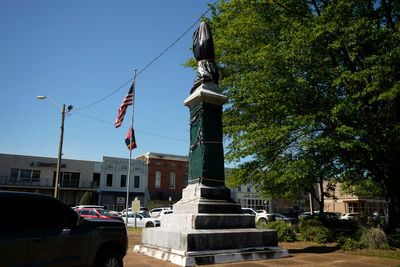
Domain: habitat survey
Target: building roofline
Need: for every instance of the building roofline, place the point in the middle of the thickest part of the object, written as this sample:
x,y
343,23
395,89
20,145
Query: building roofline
x,y
154,155
45,157
117,158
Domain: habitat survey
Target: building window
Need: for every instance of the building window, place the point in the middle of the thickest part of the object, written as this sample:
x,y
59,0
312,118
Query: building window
x,y
69,179
25,175
136,181
356,207
172,177
123,180
158,180
109,179
35,175
96,179
248,189
14,173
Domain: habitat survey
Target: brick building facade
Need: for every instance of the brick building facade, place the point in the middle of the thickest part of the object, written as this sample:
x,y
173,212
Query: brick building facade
x,y
167,176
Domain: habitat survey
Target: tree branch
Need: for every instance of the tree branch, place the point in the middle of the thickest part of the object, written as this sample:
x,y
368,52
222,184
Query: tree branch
x,y
387,8
289,10
316,7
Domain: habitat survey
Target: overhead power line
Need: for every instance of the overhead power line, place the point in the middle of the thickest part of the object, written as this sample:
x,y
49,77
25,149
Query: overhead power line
x,y
137,130
105,97
151,62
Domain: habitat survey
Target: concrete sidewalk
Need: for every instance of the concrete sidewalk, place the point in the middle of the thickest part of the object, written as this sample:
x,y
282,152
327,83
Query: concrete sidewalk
x,y
326,257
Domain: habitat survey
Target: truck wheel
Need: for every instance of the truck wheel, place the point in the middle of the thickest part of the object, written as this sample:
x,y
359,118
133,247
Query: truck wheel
x,y
149,224
108,259
262,222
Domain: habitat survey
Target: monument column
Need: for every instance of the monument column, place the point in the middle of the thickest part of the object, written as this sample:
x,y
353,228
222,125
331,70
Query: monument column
x,y
206,191
206,226
205,143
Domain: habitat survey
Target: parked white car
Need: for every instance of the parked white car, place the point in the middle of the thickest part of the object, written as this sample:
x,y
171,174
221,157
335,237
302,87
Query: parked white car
x,y
349,216
155,213
142,220
142,210
165,212
260,217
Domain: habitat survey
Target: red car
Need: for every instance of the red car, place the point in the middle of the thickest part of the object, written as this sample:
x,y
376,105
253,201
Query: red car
x,y
96,213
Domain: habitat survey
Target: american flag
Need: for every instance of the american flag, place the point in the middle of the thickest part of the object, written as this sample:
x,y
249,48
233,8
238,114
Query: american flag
x,y
128,100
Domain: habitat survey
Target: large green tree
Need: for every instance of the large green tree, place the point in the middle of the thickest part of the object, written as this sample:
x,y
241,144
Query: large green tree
x,y
314,89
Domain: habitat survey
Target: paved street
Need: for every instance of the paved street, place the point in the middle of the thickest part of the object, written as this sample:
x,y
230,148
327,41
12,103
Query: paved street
x,y
325,257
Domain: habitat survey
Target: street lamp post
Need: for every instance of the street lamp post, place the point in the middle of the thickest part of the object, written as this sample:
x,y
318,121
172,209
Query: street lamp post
x,y
58,173
60,145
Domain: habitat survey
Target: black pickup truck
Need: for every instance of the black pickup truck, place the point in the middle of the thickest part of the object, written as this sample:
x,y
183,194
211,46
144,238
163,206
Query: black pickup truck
x,y
38,230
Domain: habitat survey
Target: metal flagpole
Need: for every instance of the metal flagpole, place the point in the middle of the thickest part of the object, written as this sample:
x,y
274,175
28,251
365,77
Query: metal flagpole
x,y
130,156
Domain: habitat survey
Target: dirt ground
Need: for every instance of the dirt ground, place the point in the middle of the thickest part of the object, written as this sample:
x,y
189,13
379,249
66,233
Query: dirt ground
x,y
301,254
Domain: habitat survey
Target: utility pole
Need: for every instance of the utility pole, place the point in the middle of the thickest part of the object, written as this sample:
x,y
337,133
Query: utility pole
x,y
60,145
56,186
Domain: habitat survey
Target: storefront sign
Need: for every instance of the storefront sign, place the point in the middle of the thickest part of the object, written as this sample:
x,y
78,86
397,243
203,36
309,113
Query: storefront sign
x,y
46,164
255,196
120,200
136,205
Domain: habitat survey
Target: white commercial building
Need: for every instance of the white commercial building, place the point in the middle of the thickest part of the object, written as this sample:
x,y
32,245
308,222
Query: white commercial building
x,y
113,173
106,180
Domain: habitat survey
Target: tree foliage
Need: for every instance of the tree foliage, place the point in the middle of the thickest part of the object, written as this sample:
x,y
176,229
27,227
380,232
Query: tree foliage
x,y
314,92
86,198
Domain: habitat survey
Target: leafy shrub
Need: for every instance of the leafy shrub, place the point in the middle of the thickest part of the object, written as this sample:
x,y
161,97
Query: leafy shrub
x,y
285,231
309,221
394,237
312,229
319,234
374,238
86,198
350,244
345,227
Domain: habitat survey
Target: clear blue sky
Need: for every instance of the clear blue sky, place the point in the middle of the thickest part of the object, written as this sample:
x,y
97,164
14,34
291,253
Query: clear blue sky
x,y
77,52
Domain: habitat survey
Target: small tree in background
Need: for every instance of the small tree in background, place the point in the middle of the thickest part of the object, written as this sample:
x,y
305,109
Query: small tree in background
x,y
86,198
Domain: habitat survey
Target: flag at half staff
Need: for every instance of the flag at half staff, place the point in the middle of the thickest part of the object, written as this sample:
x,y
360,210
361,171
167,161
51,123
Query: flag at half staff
x,y
130,139
128,100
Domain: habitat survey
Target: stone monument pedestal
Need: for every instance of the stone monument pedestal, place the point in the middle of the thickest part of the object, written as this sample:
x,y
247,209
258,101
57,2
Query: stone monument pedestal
x,y
211,246
206,226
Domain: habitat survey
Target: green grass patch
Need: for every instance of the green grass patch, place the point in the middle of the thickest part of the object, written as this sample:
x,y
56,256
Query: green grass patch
x,y
381,253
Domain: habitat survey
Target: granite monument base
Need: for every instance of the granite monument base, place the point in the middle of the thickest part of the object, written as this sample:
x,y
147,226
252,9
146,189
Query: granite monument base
x,y
209,246
190,236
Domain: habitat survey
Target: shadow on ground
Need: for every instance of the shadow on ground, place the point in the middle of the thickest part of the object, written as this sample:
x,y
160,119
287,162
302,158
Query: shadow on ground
x,y
314,249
